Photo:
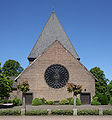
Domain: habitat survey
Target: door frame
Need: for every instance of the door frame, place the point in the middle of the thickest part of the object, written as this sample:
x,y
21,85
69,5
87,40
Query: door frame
x,y
26,94
86,93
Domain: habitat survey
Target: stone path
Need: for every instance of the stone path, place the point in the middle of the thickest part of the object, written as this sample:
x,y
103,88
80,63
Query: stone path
x,y
55,117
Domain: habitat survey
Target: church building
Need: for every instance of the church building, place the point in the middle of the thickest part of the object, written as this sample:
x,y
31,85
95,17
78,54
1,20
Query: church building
x,y
53,62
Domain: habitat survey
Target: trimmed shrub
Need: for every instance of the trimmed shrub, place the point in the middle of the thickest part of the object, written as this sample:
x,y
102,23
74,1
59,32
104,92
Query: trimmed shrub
x,y
64,102
102,99
110,101
78,101
61,112
95,101
107,112
17,102
49,102
43,100
5,101
36,102
71,101
88,112
1,101
9,101
37,112
10,112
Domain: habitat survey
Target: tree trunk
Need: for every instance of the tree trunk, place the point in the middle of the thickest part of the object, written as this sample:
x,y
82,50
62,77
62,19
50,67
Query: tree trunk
x,y
74,101
24,101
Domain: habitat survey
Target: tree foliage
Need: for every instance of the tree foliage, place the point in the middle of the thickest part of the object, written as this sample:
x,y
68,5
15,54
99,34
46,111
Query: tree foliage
x,y
5,86
12,68
101,84
110,88
24,86
76,89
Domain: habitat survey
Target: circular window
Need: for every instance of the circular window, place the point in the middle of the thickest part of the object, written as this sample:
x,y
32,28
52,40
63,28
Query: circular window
x,y
56,76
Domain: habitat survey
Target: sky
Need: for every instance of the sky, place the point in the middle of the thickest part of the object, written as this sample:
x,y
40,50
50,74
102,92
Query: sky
x,y
88,24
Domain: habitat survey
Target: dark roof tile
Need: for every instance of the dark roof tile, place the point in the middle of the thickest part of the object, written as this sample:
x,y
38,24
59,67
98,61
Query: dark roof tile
x,y
51,32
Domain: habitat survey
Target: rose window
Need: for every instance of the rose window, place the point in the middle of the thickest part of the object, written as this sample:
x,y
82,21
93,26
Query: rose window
x,y
56,76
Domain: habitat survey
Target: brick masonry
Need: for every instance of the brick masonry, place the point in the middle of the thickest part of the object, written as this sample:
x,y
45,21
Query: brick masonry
x,y
56,54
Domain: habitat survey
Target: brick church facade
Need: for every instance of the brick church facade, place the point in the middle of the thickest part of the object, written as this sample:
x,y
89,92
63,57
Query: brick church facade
x,y
54,63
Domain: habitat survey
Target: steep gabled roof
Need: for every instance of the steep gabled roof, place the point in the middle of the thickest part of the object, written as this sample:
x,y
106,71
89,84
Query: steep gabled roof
x,y
52,31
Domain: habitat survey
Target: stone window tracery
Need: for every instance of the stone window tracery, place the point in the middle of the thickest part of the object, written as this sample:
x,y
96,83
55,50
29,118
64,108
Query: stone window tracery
x,y
56,76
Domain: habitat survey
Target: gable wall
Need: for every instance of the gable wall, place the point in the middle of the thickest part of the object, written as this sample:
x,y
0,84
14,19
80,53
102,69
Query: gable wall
x,y
56,54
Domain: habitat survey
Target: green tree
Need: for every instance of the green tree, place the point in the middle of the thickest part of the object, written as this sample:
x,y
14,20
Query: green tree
x,y
24,86
11,68
5,86
101,82
110,88
76,89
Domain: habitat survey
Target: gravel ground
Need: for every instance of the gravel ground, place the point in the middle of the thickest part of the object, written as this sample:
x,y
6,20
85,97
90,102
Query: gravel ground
x,y
55,117
54,107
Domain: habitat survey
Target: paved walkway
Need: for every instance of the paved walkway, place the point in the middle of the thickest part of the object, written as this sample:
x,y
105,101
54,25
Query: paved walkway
x,y
55,117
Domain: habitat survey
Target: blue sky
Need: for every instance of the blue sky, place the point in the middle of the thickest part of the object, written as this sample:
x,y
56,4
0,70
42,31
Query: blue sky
x,y
88,24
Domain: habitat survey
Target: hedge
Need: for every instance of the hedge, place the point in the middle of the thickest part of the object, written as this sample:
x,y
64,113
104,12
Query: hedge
x,y
87,112
10,112
37,112
37,101
64,102
49,102
69,112
17,101
107,112
71,101
54,112
61,112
